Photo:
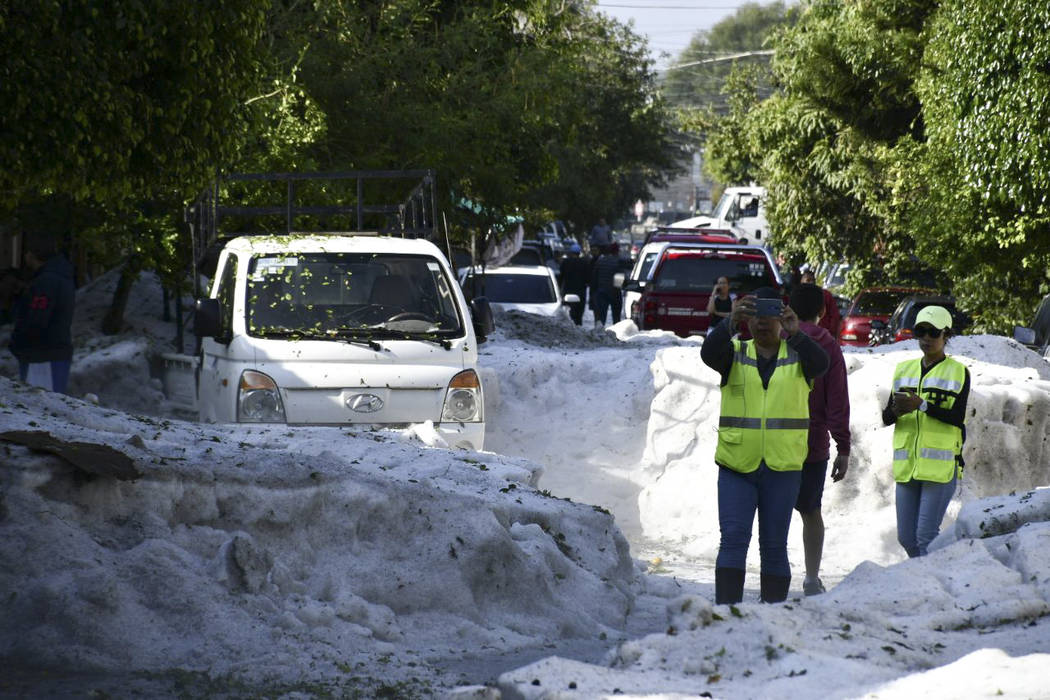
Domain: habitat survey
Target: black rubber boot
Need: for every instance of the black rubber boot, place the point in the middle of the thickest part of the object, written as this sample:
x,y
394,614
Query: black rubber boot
x,y
774,588
729,585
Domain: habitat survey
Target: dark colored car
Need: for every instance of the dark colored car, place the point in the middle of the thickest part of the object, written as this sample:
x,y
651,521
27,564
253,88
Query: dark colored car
x,y
1038,336
902,321
675,299
872,304
535,253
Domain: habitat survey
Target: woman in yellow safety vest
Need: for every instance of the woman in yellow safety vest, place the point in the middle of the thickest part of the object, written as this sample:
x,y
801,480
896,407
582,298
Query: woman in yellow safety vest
x,y
927,408
763,436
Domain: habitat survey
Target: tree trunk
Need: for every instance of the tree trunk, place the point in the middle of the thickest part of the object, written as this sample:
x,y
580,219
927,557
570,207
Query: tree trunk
x,y
113,321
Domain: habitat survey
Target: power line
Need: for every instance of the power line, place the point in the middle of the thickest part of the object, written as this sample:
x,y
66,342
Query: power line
x,y
731,57
670,7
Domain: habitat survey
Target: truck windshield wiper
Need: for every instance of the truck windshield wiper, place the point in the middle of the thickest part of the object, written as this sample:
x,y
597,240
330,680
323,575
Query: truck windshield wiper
x,y
349,337
391,334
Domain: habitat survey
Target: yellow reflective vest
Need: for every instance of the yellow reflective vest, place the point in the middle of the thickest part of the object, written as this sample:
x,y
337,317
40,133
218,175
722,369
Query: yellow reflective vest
x,y
925,448
757,423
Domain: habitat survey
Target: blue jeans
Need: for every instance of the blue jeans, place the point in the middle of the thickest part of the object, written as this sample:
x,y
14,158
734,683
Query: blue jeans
x,y
920,509
605,300
773,495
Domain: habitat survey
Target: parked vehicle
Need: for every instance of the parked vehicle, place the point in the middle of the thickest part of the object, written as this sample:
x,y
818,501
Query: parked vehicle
x,y
343,328
675,298
644,262
528,288
1038,336
535,252
741,211
872,304
902,320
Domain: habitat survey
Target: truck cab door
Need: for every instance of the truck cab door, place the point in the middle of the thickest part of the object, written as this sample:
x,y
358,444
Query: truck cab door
x,y
214,323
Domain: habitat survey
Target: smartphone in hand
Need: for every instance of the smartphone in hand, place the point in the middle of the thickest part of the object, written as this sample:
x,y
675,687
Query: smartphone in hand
x,y
769,307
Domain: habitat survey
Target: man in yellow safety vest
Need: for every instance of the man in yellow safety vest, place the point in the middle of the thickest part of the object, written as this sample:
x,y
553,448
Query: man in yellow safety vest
x,y
763,432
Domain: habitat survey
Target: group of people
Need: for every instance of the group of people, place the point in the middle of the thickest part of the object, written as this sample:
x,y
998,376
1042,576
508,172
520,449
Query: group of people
x,y
784,397
592,278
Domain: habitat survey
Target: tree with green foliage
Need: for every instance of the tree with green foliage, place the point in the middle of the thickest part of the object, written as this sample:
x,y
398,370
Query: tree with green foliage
x,y
911,133
113,110
698,76
534,109
975,191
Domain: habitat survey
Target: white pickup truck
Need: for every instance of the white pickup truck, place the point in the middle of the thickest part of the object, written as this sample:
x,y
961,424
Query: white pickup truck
x,y
741,211
338,330
361,325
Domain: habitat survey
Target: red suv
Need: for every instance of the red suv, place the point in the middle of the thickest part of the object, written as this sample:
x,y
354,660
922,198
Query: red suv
x,y
676,297
872,304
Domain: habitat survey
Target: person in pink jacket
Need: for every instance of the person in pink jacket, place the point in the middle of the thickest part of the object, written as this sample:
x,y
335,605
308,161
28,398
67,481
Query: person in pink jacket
x,y
828,413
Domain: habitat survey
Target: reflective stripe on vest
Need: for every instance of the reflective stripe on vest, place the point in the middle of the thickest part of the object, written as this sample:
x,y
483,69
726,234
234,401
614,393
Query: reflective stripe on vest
x,y
759,424
923,447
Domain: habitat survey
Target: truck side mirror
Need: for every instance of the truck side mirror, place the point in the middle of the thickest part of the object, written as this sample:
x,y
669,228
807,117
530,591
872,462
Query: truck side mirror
x,y
207,318
481,313
1025,336
633,286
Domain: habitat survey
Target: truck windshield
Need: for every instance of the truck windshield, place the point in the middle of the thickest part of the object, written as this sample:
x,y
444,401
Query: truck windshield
x,y
333,295
725,202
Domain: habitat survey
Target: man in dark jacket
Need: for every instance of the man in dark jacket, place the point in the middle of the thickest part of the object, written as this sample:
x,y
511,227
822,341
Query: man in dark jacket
x,y
605,295
43,317
575,275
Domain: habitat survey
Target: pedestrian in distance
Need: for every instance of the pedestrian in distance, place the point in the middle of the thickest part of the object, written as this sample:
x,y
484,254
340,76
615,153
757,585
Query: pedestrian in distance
x,y
828,413
575,278
763,435
42,335
720,303
927,409
605,295
600,237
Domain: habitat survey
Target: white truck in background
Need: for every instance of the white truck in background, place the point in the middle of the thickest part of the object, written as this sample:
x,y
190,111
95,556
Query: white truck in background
x,y
741,211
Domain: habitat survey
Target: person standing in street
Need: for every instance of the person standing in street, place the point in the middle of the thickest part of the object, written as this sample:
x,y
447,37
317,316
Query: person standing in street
x,y
763,433
575,277
600,237
831,319
42,335
927,409
605,295
828,412
720,303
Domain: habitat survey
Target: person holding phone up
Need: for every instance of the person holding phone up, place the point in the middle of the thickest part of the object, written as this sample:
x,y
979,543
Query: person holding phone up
x,y
720,303
927,408
763,437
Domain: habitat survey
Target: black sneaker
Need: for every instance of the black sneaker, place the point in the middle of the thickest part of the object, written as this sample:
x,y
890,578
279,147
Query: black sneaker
x,y
813,587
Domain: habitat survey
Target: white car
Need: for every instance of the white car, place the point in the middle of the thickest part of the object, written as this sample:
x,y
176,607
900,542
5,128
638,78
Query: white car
x,y
529,288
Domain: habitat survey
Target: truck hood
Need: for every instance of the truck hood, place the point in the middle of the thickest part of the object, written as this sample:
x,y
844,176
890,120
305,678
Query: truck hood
x,y
311,364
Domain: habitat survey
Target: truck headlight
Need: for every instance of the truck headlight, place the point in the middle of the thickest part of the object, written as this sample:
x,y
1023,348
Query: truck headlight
x,y
463,400
258,399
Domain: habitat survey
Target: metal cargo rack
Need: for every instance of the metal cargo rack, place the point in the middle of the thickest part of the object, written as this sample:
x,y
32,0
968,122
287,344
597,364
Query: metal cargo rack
x,y
411,215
